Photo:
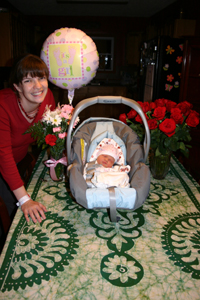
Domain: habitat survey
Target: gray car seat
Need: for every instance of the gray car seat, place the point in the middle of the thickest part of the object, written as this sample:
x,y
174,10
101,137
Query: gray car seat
x,y
92,131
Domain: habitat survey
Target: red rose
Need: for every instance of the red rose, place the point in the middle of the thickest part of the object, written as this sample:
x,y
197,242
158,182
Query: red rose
x,y
159,113
50,139
152,124
142,105
146,106
176,115
123,118
193,119
160,102
170,104
152,105
139,119
131,114
185,107
196,113
168,126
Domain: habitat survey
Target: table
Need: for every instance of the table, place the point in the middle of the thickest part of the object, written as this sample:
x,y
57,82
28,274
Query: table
x,y
151,253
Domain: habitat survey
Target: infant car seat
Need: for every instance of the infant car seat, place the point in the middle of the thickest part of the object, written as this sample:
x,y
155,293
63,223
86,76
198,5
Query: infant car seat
x,y
83,142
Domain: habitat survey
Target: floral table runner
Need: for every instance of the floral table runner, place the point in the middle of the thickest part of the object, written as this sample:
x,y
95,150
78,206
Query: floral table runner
x,y
75,253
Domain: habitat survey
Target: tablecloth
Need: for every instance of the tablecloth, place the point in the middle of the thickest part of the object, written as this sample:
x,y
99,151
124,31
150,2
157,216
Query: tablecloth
x,y
75,253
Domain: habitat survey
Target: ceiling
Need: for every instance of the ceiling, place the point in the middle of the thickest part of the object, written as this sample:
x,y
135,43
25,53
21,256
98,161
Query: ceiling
x,y
127,8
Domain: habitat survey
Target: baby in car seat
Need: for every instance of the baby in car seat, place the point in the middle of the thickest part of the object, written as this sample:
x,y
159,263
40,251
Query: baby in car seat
x,y
106,166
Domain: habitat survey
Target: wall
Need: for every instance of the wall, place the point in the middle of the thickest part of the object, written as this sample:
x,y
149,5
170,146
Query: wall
x,y
128,33
116,27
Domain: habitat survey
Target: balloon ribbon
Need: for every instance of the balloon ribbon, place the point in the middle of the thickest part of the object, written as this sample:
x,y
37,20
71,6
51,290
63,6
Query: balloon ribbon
x,y
70,96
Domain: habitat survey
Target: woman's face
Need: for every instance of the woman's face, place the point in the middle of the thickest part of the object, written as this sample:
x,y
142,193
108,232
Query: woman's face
x,y
106,161
32,90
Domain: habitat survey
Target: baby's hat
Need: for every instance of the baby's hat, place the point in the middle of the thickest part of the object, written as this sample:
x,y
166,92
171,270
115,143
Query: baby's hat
x,y
108,149
104,148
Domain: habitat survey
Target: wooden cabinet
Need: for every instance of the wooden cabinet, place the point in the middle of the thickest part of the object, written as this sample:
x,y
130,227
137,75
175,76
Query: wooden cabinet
x,y
190,91
190,81
184,27
6,52
15,38
98,110
133,43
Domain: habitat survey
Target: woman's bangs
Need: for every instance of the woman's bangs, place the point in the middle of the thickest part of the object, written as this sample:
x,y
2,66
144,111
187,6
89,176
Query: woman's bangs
x,y
35,68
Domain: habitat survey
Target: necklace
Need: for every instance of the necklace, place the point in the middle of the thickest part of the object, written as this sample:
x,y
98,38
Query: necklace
x,y
30,115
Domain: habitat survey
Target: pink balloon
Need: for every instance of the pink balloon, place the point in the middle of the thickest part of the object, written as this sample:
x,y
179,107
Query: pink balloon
x,y
71,57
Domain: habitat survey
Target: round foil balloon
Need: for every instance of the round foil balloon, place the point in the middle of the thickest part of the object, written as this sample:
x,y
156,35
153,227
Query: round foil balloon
x,y
71,57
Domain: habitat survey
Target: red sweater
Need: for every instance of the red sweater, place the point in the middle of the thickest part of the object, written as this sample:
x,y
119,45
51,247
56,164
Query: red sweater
x,y
13,144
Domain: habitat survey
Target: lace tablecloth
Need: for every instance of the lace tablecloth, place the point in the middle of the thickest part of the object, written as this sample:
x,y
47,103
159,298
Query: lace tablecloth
x,y
151,253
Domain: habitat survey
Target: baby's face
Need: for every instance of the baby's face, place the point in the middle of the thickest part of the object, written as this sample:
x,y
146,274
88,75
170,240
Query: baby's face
x,y
106,161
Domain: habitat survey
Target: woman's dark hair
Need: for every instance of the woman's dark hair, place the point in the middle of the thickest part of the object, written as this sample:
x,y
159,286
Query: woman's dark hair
x,y
28,64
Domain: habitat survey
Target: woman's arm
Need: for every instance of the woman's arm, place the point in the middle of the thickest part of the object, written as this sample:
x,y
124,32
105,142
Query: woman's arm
x,y
30,208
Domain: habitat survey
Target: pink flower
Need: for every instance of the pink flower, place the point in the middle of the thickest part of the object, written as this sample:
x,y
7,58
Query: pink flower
x,y
56,129
76,122
65,115
62,135
66,111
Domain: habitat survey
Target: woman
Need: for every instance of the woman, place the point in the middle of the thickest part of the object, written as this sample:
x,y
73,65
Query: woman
x,y
20,108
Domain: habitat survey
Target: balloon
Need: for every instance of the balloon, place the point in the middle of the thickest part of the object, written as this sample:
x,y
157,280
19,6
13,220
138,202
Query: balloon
x,y
71,57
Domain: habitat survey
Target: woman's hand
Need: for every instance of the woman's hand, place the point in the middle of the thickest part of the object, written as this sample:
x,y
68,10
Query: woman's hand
x,y
35,210
30,208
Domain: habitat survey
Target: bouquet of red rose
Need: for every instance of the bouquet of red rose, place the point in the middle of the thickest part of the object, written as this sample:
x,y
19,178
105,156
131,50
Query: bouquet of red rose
x,y
169,124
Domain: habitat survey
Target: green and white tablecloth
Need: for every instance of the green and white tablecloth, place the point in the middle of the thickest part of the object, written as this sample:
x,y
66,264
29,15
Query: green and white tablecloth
x,y
152,253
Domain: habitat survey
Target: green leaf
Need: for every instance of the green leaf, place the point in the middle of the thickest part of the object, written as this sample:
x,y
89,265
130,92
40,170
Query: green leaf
x,y
172,143
182,146
185,152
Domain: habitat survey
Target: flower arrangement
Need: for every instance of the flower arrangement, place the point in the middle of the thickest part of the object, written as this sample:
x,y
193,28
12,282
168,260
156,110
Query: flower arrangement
x,y
169,124
50,133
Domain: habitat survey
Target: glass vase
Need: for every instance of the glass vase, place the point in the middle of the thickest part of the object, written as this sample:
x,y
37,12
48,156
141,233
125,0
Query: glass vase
x,y
59,168
159,165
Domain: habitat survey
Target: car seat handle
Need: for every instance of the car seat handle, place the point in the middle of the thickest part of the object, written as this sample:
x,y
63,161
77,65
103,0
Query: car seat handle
x,y
108,100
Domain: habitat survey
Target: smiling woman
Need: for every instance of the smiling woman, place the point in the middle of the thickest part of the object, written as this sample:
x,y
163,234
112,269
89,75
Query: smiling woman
x,y
32,91
21,105
30,81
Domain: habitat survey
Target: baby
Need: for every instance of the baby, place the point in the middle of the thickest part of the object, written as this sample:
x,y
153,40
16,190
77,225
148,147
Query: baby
x,y
104,171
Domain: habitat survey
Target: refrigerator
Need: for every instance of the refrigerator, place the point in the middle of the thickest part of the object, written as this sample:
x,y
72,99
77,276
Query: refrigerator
x,y
160,68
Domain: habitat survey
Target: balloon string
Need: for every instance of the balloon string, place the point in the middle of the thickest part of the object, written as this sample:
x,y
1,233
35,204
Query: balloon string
x,y
70,96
